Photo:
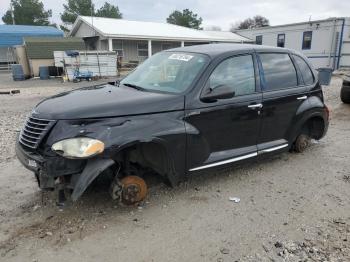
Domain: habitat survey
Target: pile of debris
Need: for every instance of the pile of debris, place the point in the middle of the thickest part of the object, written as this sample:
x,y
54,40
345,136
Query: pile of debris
x,y
11,92
329,244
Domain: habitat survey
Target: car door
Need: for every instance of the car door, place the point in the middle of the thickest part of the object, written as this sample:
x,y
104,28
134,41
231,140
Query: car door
x,y
225,130
282,96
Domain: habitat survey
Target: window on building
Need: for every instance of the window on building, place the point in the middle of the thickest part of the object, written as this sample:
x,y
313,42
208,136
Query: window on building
x,y
281,40
236,73
117,46
142,49
278,71
307,38
258,40
166,46
305,70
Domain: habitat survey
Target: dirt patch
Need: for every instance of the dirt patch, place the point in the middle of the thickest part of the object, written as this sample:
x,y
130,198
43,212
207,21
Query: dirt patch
x,y
329,242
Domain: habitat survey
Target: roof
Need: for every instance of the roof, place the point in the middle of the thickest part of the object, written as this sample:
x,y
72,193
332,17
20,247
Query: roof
x,y
120,28
293,24
11,35
43,47
217,49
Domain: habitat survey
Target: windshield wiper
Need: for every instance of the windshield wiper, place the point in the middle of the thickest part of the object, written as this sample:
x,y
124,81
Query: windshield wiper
x,y
134,86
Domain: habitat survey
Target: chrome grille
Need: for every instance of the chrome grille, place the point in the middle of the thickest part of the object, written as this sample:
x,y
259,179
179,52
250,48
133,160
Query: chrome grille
x,y
34,131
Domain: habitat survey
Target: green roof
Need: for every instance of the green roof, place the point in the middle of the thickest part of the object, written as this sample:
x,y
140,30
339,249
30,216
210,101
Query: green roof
x,y
43,47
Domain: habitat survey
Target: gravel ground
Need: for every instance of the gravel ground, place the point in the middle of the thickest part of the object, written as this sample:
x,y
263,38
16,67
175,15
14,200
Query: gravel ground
x,y
294,207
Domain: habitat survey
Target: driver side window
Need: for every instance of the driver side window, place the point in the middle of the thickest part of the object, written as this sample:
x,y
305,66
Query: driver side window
x,y
236,73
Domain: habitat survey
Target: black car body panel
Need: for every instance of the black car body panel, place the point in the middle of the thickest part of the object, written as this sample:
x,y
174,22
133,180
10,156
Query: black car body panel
x,y
106,101
176,133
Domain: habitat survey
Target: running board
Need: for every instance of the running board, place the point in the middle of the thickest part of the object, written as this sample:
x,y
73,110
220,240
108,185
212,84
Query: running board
x,y
235,159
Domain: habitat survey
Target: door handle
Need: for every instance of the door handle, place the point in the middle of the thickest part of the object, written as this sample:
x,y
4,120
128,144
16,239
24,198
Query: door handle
x,y
301,97
255,106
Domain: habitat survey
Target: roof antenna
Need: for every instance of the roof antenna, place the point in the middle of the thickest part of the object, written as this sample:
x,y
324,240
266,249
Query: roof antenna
x,y
12,15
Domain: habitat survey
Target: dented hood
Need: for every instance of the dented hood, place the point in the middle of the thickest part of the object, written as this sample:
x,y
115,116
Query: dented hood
x,y
106,101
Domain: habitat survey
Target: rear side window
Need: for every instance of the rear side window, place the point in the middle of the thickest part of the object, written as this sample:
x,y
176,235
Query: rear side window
x,y
305,70
278,71
236,73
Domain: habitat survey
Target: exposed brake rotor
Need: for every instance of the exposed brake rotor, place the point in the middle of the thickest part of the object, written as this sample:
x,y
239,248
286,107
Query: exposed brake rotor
x,y
134,189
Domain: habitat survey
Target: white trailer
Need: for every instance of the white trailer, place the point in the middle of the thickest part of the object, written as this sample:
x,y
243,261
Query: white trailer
x,y
325,42
100,63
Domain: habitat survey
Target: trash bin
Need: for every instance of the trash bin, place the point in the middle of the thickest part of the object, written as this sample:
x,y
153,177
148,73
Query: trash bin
x,y
17,72
44,72
324,75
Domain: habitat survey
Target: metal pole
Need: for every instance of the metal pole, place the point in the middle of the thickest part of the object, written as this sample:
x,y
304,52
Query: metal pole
x,y
332,40
149,48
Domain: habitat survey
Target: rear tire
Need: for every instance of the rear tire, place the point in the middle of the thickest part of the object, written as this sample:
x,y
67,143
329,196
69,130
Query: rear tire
x,y
345,94
301,143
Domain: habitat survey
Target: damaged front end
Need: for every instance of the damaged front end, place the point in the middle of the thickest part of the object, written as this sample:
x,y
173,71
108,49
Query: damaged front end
x,y
70,154
65,154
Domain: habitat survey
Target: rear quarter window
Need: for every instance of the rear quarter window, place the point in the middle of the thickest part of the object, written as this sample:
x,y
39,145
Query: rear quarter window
x,y
305,70
278,71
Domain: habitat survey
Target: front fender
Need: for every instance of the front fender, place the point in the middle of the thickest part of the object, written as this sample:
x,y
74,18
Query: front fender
x,y
93,168
165,129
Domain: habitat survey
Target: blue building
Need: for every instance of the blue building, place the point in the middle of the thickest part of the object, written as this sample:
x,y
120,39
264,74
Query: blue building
x,y
12,35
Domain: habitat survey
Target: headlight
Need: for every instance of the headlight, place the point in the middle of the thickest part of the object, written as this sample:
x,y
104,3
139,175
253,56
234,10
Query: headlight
x,y
80,147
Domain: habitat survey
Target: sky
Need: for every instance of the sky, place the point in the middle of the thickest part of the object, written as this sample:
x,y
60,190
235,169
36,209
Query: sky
x,y
220,13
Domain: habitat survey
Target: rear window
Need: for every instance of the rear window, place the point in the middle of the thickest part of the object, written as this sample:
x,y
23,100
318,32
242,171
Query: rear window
x,y
278,71
305,70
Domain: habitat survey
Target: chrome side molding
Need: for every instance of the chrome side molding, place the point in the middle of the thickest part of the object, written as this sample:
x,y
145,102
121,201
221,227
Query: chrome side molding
x,y
235,159
267,150
231,160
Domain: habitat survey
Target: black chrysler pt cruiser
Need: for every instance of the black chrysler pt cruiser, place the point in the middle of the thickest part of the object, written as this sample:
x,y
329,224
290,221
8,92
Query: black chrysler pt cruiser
x,y
181,111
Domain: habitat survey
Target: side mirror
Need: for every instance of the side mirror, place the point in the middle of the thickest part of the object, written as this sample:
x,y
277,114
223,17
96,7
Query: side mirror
x,y
219,92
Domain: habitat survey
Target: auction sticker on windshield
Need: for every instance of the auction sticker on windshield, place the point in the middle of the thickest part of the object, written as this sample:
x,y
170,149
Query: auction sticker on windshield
x,y
182,57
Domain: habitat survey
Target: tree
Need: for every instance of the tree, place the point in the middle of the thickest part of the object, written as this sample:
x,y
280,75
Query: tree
x,y
108,10
255,22
185,18
27,12
73,8
261,21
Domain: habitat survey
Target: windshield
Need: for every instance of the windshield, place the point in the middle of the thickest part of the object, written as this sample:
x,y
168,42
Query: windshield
x,y
167,71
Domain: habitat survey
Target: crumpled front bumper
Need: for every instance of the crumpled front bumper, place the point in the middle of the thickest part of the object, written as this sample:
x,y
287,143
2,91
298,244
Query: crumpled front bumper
x,y
29,160
47,169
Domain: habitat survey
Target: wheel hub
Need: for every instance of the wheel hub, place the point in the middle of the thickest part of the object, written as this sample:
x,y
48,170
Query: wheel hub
x,y
134,189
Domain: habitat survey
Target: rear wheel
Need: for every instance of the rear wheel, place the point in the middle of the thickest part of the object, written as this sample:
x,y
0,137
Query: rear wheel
x,y
345,94
301,143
